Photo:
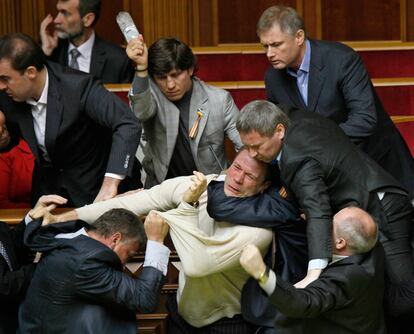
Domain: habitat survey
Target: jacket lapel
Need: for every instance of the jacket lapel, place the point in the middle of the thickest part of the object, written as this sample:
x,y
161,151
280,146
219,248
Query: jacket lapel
x,y
316,77
27,129
289,84
98,57
54,113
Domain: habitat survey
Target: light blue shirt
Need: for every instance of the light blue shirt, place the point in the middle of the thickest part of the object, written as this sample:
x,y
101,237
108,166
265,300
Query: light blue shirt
x,y
302,74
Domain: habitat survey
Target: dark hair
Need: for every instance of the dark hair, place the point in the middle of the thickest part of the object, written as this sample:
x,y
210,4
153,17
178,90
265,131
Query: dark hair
x,y
168,54
261,116
122,221
22,51
90,6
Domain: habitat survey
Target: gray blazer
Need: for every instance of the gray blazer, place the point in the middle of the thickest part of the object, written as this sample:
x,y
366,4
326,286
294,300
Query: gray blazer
x,y
160,120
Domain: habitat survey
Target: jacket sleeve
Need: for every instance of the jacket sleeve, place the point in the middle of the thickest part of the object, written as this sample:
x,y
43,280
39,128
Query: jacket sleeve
x,y
96,280
330,291
142,102
110,112
230,117
307,182
266,210
356,90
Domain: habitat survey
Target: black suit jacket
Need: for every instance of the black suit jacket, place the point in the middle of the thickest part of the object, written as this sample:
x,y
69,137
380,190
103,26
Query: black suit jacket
x,y
13,283
326,172
79,286
339,88
89,131
109,62
346,298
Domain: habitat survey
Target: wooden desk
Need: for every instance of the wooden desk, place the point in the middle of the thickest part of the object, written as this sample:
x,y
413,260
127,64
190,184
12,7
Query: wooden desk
x,y
14,216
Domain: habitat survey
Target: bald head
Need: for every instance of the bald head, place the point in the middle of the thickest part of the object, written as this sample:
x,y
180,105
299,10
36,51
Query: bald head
x,y
354,231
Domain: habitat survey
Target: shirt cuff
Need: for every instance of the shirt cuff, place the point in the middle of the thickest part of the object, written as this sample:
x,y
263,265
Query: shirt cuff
x,y
139,85
27,219
318,264
270,285
115,176
157,255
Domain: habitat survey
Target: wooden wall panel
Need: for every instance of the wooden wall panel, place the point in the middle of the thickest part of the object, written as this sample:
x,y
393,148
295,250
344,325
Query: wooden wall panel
x,y
356,20
238,18
409,16
213,22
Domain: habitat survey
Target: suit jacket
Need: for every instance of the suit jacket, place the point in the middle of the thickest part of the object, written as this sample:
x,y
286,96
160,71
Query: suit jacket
x,y
79,286
339,88
89,131
13,283
346,298
326,172
109,62
160,119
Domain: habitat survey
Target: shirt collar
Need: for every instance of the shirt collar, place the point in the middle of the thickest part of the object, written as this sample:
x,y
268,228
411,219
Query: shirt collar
x,y
304,66
336,258
43,96
85,49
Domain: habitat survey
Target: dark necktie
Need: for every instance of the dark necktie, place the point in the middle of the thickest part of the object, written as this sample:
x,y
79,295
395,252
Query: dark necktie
x,y
74,54
5,256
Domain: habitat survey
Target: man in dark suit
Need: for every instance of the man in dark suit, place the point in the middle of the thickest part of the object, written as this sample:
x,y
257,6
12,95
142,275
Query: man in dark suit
x,y
326,173
83,137
79,285
16,270
73,29
330,79
347,297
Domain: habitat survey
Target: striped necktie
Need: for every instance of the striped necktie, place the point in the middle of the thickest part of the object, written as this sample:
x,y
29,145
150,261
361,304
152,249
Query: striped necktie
x,y
74,54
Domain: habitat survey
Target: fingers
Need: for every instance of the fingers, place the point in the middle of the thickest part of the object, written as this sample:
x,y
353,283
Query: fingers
x,y
47,200
156,227
45,22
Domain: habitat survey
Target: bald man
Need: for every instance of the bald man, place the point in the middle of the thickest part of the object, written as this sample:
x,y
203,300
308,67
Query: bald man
x,y
347,297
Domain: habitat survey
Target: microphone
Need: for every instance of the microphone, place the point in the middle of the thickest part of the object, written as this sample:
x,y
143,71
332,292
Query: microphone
x,y
215,157
127,26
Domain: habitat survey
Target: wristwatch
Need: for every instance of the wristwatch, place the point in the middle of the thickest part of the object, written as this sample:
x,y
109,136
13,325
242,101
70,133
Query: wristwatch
x,y
194,204
264,276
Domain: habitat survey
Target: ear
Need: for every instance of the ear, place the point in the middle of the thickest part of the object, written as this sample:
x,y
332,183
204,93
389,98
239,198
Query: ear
x,y
340,244
191,71
116,238
300,37
280,131
88,19
31,72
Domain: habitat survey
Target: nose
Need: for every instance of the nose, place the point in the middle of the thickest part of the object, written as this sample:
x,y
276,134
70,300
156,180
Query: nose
x,y
252,152
170,83
3,86
238,178
58,19
270,52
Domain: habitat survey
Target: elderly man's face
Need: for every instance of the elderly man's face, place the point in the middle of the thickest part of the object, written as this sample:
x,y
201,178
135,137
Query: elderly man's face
x,y
68,21
245,177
